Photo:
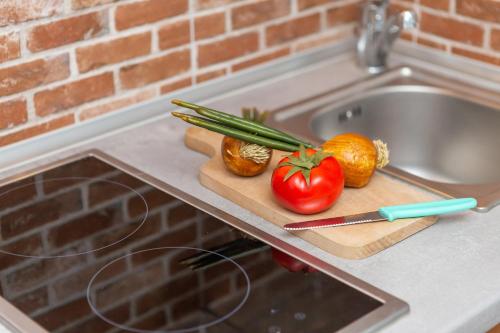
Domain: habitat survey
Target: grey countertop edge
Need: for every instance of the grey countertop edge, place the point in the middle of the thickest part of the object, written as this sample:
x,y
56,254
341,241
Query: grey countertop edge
x,y
447,273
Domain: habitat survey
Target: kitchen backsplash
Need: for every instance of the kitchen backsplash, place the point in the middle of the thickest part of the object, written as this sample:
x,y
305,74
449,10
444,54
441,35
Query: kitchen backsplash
x,y
467,28
67,61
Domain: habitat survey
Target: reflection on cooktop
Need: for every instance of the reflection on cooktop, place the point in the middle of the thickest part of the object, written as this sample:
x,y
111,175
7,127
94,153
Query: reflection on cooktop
x,y
88,232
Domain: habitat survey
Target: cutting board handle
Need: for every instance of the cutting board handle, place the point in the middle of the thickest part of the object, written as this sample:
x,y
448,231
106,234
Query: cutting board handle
x,y
203,141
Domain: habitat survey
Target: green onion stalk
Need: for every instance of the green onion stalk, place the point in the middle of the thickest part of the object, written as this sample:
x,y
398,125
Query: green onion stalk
x,y
239,128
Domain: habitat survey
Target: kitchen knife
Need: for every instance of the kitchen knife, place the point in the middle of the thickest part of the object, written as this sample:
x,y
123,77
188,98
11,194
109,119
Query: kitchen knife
x,y
389,213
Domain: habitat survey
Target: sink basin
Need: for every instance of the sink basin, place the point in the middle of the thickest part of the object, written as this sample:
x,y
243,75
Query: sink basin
x,y
442,135
432,133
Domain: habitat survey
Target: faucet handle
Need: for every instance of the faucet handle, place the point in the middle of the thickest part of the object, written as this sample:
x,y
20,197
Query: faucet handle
x,y
408,19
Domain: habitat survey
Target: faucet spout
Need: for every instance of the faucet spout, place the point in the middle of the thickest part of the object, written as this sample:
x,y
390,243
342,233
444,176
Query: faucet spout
x,y
378,34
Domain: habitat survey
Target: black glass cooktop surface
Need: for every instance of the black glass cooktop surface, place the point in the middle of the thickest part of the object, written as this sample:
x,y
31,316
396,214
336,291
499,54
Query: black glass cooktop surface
x,y
88,248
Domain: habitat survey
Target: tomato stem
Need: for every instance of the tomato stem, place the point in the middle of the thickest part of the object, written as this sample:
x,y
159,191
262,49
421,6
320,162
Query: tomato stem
x,y
304,163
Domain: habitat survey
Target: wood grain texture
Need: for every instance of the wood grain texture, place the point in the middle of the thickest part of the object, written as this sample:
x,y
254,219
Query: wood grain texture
x,y
352,242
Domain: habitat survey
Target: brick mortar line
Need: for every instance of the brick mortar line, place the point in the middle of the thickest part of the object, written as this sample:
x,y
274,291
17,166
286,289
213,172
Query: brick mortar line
x,y
117,84
256,27
35,121
430,37
96,72
67,7
73,65
72,48
193,46
452,43
102,102
457,16
124,94
64,49
109,37
228,23
294,7
270,49
487,38
231,5
155,40
111,19
64,15
323,20
342,34
262,43
102,13
30,108
327,6
475,49
46,20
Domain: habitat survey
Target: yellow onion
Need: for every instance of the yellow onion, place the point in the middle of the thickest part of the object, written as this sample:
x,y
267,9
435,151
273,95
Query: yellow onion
x,y
358,156
243,158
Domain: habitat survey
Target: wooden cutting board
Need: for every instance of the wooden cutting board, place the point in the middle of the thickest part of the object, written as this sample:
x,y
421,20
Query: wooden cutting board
x,y
353,242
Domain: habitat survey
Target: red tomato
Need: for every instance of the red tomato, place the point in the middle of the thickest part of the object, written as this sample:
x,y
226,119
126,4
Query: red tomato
x,y
326,184
290,263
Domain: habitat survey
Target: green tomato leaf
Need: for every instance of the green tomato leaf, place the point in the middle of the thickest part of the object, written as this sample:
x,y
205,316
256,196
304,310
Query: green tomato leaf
x,y
308,165
282,164
302,153
290,173
307,176
319,156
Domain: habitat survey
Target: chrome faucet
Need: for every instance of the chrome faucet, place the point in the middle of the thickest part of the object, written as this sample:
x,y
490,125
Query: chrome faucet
x,y
378,33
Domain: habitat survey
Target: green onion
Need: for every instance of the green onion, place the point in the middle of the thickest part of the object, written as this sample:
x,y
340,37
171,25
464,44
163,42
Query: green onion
x,y
235,133
242,124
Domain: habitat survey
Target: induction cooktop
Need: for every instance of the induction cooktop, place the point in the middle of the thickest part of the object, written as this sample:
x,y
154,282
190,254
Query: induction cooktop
x,y
91,245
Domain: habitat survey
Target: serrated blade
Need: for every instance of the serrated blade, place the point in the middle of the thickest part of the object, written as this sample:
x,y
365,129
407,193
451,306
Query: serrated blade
x,y
336,221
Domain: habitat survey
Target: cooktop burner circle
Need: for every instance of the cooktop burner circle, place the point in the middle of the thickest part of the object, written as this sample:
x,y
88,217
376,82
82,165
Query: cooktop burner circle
x,y
93,290
51,233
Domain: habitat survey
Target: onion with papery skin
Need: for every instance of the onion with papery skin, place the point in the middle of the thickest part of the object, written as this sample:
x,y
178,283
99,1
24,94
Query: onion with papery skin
x,y
243,158
358,156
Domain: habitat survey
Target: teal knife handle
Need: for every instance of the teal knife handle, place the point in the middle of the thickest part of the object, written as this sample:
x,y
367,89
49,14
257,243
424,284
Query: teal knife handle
x,y
392,213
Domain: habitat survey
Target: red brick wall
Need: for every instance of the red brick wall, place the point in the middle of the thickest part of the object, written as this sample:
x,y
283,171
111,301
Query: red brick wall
x,y
67,61
467,28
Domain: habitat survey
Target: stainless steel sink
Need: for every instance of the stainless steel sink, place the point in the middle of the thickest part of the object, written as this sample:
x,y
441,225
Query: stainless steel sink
x,y
442,134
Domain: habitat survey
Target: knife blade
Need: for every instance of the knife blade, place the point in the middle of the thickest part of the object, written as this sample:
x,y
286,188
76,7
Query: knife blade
x,y
389,213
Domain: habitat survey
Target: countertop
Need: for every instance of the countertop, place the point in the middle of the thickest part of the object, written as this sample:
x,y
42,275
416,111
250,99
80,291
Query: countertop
x,y
447,273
